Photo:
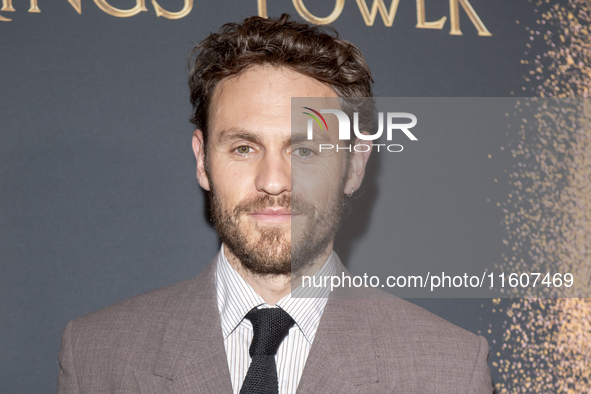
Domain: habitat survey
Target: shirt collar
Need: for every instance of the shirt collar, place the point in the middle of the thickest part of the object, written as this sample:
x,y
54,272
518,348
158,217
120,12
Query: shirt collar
x,y
236,298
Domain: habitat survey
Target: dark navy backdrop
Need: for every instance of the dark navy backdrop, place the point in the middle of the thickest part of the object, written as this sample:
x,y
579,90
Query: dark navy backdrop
x,y
98,198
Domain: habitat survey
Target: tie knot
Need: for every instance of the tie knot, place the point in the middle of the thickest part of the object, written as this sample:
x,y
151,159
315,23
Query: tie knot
x,y
270,326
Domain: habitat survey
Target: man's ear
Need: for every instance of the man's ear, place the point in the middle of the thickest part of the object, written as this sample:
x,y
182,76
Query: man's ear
x,y
199,151
357,168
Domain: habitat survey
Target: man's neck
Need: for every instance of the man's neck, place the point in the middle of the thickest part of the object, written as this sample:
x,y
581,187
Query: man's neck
x,y
272,288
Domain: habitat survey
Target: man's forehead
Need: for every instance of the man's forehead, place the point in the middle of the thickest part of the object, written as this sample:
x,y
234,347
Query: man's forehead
x,y
262,97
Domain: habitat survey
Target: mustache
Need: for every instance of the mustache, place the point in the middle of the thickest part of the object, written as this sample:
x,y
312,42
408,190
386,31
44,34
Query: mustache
x,y
263,201
258,203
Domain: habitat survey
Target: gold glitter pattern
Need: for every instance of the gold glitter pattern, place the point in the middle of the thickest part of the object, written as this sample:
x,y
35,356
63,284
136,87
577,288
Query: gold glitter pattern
x,y
547,342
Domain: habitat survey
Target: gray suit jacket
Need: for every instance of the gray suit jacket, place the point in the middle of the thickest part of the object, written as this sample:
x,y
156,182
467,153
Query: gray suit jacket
x,y
169,341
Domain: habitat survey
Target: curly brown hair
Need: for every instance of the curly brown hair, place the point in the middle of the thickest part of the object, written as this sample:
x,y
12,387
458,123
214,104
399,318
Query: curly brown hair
x,y
313,51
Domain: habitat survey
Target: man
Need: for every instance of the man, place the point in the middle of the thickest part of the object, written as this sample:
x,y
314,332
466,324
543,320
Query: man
x,y
236,327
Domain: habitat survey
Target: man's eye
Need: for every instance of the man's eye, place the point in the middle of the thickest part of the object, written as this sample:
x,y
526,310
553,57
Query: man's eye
x,y
304,152
244,149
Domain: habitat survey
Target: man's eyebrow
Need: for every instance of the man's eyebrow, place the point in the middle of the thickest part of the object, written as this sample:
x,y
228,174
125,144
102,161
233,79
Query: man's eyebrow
x,y
239,134
301,137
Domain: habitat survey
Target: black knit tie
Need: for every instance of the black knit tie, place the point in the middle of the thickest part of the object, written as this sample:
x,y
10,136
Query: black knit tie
x,y
270,327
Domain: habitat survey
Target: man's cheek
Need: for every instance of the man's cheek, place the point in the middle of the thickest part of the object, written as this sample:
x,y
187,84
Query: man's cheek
x,y
316,186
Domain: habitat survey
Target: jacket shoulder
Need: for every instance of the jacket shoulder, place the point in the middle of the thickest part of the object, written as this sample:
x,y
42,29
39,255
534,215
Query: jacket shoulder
x,y
137,318
420,344
138,308
418,324
105,348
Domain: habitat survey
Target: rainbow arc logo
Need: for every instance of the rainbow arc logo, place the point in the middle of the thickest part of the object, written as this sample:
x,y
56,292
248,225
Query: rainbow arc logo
x,y
315,118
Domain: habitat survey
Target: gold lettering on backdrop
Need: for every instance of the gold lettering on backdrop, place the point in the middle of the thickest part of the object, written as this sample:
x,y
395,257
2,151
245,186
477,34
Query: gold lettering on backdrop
x,y
454,16
262,7
7,6
304,13
34,7
76,4
173,15
422,24
109,9
370,16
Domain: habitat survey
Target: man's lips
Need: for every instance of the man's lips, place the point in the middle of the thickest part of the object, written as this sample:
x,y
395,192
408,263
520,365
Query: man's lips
x,y
273,215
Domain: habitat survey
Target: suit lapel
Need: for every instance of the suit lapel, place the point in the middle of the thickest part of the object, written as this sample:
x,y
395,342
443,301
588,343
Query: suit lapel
x,y
192,358
331,366
343,356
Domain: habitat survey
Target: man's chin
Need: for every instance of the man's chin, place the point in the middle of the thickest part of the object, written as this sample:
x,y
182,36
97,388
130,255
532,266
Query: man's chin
x,y
264,260
263,249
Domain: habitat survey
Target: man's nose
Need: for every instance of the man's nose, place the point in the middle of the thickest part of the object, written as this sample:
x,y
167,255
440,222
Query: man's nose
x,y
274,174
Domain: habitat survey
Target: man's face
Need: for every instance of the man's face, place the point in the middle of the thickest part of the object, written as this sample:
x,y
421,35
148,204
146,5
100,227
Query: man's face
x,y
266,189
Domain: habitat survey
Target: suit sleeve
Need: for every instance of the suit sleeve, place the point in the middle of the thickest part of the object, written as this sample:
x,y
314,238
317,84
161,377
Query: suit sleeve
x,y
67,380
481,382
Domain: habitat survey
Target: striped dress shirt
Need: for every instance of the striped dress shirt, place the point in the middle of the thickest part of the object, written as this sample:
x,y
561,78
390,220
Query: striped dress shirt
x,y
236,298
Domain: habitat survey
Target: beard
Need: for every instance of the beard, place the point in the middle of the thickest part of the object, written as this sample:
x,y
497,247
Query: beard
x,y
273,250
